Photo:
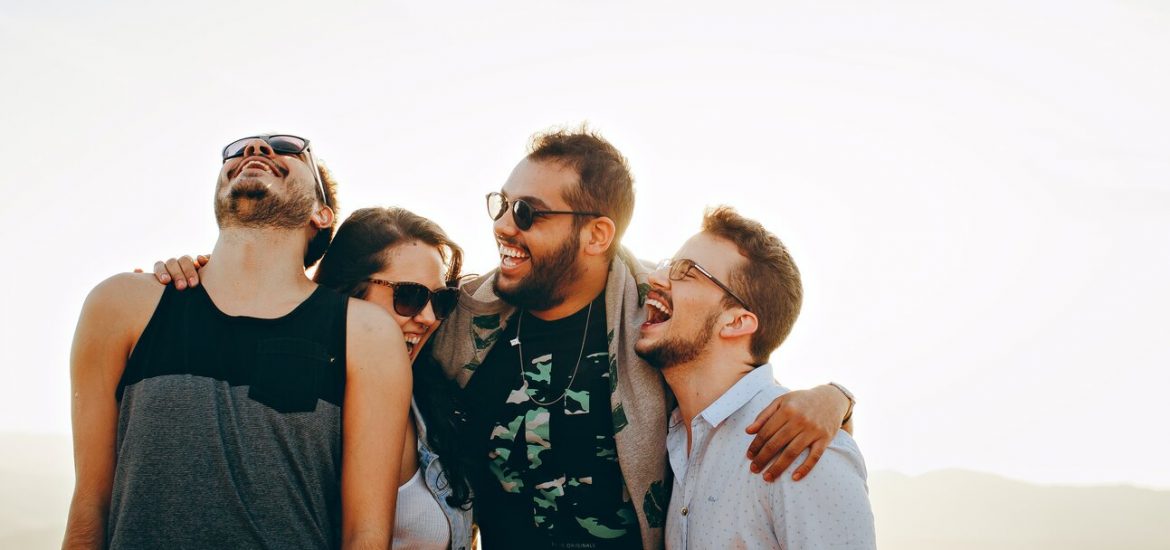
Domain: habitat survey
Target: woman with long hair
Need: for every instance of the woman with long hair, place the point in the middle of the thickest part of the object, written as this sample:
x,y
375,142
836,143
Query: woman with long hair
x,y
408,265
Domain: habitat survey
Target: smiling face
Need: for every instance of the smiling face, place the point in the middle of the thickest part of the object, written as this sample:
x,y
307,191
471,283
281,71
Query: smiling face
x,y
413,262
264,189
682,317
540,264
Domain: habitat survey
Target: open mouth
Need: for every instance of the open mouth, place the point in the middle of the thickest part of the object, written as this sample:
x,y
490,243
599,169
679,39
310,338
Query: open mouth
x,y
412,340
259,164
512,256
256,165
657,309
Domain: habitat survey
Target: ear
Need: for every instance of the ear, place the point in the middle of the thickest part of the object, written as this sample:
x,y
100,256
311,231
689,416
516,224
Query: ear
x,y
322,218
599,235
744,323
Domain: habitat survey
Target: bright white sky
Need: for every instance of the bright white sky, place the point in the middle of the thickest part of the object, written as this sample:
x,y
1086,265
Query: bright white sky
x,y
977,193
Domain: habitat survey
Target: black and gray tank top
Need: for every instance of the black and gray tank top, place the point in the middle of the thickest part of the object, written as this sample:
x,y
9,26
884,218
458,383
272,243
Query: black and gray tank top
x,y
229,428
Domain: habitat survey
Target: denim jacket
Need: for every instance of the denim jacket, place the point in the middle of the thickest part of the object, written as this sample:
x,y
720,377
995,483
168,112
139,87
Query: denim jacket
x,y
436,481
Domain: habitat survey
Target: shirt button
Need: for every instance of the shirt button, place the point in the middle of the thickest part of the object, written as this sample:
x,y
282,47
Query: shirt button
x,y
684,510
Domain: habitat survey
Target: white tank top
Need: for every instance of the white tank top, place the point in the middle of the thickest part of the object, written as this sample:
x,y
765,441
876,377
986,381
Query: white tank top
x,y
419,522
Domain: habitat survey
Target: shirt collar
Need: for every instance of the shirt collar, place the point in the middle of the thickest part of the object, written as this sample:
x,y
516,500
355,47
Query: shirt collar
x,y
738,395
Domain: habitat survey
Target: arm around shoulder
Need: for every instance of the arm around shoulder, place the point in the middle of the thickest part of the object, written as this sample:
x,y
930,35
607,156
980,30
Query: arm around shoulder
x,y
374,416
114,315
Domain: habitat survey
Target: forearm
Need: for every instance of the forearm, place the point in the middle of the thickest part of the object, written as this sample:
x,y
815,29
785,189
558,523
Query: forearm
x,y
86,526
366,539
795,421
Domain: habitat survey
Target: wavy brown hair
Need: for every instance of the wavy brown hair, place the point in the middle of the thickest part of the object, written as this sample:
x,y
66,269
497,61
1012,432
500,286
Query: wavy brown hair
x,y
360,250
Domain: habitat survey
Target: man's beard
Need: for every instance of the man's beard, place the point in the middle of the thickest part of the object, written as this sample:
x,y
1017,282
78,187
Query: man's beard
x,y
675,350
250,204
545,286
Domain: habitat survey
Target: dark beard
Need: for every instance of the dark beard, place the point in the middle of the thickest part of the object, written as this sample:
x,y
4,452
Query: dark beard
x,y
544,287
249,204
675,350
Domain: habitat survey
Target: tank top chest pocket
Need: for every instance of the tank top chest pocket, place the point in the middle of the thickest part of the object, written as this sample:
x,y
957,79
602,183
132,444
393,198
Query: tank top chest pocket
x,y
290,374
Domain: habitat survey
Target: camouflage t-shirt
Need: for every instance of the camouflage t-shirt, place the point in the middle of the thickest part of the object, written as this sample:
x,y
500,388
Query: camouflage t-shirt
x,y
547,476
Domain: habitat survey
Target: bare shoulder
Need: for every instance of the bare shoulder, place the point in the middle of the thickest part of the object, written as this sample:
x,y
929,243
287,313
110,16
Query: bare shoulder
x,y
372,337
365,320
115,313
125,297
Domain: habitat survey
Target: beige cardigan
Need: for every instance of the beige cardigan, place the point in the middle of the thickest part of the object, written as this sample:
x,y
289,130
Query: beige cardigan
x,y
638,396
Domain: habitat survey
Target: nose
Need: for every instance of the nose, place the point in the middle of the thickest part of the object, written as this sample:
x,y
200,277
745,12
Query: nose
x,y
659,277
506,226
258,147
426,316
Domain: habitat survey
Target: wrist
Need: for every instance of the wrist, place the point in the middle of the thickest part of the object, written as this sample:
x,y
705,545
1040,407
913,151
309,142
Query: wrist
x,y
849,398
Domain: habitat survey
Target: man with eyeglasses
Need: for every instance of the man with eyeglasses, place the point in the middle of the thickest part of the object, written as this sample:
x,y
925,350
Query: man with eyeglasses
x,y
213,418
714,315
566,426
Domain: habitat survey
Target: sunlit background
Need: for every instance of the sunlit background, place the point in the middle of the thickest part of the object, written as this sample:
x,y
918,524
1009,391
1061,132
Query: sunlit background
x,y
977,193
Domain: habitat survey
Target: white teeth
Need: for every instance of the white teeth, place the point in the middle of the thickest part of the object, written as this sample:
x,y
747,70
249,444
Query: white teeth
x,y
661,307
258,165
512,252
413,339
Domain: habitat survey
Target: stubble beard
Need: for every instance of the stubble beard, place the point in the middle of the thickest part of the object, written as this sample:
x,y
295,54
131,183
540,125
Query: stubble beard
x,y
249,204
548,278
676,350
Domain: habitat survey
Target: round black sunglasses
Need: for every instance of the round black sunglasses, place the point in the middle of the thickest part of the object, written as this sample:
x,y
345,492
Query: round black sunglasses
x,y
522,212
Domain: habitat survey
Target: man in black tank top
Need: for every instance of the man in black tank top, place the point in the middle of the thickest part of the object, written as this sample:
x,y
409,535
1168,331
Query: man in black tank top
x,y
256,410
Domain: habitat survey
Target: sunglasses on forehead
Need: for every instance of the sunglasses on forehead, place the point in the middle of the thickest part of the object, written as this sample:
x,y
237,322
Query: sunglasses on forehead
x,y
522,212
281,144
411,298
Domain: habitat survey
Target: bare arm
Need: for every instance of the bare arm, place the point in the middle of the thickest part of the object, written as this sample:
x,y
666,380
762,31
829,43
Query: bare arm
x,y
111,320
795,421
374,416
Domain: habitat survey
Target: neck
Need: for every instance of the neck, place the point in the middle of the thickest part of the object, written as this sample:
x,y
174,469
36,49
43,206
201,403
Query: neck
x,y
699,383
254,267
578,294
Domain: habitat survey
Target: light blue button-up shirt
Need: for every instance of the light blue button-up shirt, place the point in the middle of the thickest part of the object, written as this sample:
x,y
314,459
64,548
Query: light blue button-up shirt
x,y
719,503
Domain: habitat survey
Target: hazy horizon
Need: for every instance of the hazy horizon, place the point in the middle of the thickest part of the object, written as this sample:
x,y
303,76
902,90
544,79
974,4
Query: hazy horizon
x,y
953,509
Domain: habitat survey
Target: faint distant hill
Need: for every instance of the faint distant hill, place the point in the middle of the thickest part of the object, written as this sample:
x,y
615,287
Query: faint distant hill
x,y
947,510
960,510
36,482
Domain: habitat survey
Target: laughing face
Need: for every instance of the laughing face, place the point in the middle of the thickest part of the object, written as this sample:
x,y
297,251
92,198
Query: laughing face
x,y
264,189
412,262
538,265
682,316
